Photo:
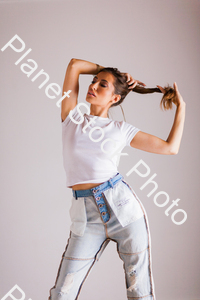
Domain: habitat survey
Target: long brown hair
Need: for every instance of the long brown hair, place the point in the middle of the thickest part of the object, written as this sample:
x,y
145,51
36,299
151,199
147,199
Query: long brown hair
x,y
122,88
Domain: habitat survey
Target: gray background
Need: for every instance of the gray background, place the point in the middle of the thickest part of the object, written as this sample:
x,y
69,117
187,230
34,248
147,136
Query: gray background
x,y
157,42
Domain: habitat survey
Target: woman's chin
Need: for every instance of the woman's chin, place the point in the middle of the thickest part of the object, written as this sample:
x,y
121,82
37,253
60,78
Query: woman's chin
x,y
91,100
88,99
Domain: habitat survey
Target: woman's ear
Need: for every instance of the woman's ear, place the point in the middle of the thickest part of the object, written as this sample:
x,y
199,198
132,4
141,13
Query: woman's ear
x,y
117,98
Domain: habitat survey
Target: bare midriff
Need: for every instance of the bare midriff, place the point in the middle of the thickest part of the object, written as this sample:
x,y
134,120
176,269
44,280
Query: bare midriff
x,y
84,186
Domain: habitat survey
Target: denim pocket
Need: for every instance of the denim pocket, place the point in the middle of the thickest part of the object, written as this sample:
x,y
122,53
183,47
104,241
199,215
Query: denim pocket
x,y
78,216
124,203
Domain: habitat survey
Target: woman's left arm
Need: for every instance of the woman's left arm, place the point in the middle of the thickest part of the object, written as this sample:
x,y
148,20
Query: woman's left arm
x,y
153,144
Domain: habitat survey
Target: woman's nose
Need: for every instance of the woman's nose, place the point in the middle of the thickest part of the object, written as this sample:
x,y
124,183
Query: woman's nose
x,y
94,85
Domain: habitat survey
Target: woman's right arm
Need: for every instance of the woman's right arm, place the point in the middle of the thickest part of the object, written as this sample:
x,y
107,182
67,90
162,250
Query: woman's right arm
x,y
71,82
150,143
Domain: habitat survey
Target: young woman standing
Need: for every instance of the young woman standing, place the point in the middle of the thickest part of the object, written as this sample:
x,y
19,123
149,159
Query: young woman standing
x,y
104,206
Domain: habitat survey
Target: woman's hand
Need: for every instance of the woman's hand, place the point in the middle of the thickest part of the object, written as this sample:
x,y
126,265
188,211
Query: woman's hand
x,y
161,88
133,81
178,98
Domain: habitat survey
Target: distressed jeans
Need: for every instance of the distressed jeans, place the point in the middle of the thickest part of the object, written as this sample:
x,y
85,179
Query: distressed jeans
x,y
103,219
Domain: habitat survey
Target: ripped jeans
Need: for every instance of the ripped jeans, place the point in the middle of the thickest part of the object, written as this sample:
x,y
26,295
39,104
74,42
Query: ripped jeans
x,y
105,211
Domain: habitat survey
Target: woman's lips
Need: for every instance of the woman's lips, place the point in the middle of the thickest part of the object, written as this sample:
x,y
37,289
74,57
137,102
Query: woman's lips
x,y
91,95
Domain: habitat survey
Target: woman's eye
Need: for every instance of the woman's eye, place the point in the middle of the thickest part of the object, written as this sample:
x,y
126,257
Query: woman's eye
x,y
101,83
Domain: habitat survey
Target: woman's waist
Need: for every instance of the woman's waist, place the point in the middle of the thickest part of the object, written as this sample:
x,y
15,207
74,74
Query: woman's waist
x,y
84,186
99,188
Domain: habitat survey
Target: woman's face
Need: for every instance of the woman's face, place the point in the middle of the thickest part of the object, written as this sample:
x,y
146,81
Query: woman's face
x,y
103,90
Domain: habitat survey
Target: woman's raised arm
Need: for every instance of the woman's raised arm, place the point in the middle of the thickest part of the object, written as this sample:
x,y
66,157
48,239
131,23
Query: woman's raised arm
x,y
71,82
153,144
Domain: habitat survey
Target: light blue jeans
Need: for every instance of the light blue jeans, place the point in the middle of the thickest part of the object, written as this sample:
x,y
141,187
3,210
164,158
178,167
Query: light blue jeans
x,y
102,226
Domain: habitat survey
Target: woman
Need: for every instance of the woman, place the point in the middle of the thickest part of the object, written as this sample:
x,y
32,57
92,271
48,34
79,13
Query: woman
x,y
104,206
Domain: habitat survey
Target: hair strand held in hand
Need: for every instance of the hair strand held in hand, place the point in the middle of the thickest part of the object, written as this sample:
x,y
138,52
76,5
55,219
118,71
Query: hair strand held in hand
x,y
168,98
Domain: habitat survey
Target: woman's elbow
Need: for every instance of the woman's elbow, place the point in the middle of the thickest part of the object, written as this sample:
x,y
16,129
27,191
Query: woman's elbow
x,y
72,61
173,151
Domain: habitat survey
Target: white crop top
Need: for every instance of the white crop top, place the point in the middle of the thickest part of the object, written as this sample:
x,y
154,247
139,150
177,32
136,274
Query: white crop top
x,y
93,156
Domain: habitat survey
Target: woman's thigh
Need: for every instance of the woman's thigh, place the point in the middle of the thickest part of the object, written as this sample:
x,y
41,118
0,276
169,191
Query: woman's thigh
x,y
132,238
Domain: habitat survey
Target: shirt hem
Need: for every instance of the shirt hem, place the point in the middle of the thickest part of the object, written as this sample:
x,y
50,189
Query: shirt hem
x,y
92,181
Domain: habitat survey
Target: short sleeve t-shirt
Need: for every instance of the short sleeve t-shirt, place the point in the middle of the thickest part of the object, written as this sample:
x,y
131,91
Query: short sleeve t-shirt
x,y
91,146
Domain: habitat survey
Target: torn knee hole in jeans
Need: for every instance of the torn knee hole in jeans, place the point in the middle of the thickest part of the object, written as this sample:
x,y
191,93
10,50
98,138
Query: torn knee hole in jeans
x,y
132,277
67,284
